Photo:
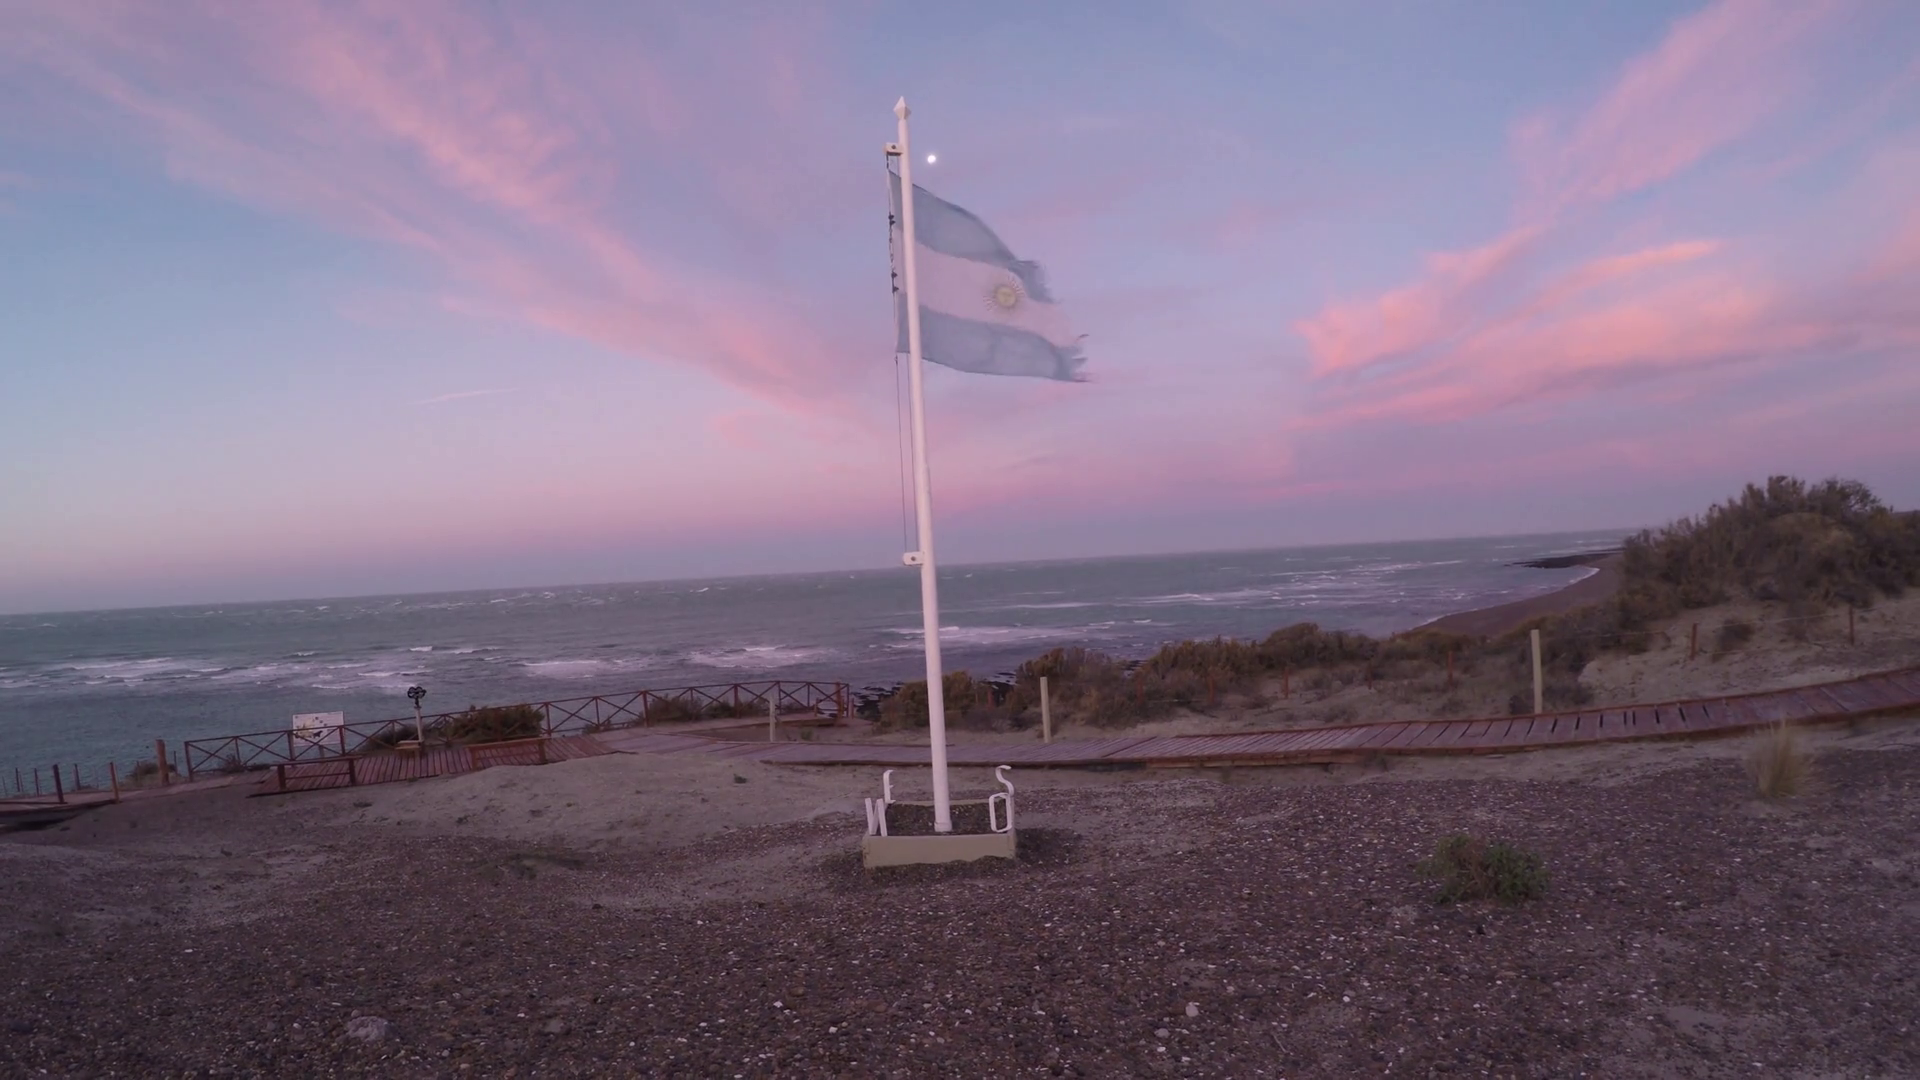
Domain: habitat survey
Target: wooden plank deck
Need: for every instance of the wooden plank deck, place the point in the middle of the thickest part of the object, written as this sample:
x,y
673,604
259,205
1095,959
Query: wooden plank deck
x,y
1703,718
391,767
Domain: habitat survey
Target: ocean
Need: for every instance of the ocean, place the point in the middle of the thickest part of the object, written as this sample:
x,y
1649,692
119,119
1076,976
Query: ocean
x,y
96,686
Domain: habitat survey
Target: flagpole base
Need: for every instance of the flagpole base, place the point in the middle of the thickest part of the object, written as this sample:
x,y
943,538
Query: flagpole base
x,y
897,830
878,851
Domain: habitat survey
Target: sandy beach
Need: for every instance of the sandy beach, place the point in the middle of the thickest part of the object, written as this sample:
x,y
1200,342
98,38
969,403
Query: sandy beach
x,y
667,917
692,916
1491,621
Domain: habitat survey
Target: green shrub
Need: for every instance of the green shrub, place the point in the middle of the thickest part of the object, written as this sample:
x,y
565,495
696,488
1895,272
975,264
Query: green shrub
x,y
496,723
1469,868
1832,541
962,697
1084,685
1305,645
664,710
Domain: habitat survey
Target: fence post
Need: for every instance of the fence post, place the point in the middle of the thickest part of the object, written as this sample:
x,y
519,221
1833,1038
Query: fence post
x,y
1850,639
113,777
58,795
1539,696
1046,712
342,729
36,779
773,720
1693,642
160,755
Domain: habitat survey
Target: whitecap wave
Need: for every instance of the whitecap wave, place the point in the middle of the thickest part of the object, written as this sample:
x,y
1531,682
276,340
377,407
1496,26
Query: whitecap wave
x,y
999,635
758,656
567,668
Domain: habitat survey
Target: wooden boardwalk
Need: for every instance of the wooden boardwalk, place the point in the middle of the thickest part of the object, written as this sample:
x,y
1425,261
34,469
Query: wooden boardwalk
x,y
1706,718
1711,717
448,760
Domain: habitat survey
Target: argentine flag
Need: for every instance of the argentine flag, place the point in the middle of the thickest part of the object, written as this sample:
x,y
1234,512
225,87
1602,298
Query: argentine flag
x,y
981,309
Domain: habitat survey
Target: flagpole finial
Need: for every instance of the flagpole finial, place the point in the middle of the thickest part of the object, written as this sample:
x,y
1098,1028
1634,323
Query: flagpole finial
x,y
900,109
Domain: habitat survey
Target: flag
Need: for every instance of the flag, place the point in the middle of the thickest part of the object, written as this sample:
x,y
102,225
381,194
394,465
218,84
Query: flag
x,y
981,309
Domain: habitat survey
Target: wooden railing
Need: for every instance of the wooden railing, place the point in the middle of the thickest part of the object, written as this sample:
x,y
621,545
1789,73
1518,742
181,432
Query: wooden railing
x,y
568,716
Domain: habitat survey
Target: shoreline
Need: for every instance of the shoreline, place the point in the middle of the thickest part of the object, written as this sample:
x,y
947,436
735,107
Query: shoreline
x,y
1501,618
994,666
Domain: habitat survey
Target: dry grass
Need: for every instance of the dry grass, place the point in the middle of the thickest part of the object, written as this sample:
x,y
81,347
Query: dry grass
x,y
1779,766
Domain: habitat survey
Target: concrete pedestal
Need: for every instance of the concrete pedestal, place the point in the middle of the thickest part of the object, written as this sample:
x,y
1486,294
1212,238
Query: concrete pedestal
x,y
949,847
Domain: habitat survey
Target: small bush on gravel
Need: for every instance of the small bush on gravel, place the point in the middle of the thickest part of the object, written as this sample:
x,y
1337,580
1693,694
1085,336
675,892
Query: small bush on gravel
x,y
1733,634
1469,868
1777,764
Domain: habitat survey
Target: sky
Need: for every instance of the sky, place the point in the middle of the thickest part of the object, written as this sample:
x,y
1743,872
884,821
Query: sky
x,y
329,298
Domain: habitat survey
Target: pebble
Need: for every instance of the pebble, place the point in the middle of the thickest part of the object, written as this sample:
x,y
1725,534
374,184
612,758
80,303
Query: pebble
x,y
367,1029
989,970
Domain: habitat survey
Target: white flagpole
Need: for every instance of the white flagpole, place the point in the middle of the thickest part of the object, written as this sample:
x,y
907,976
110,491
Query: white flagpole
x,y
923,497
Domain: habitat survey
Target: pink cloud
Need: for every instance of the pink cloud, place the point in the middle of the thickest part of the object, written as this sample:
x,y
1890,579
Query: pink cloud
x,y
1357,335
1494,328
1715,77
431,126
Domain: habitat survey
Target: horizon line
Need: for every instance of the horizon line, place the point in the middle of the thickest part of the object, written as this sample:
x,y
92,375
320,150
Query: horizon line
x,y
1624,532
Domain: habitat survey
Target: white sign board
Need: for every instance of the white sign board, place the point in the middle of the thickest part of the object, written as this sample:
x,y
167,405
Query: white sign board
x,y
317,727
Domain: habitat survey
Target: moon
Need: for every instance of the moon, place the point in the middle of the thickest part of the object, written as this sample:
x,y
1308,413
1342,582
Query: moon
x,y
931,158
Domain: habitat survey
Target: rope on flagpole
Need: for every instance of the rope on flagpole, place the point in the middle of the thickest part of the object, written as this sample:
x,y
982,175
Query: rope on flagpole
x,y
899,405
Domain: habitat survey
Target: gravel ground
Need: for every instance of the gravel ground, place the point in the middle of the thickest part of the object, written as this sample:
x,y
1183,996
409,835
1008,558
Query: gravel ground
x,y
1166,927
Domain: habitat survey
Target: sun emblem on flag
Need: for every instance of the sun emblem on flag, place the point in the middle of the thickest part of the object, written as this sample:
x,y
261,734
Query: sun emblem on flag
x,y
1005,295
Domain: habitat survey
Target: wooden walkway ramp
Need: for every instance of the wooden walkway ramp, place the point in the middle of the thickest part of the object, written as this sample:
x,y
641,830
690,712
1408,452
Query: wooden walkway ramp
x,y
450,760
1827,702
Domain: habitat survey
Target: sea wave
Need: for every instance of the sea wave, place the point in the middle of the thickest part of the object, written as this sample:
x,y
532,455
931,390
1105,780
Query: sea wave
x,y
963,636
760,656
1061,605
1228,598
